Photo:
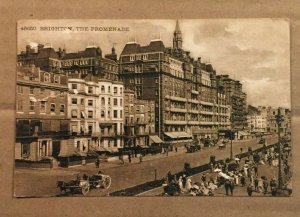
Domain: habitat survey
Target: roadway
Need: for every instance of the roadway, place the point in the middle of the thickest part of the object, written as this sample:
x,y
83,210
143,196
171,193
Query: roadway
x,y
42,182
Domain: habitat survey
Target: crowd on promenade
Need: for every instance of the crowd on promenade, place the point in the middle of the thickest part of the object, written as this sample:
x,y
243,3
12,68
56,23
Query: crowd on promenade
x,y
231,174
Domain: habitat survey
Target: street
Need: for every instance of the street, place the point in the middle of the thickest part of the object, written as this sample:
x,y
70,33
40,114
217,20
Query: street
x,y
42,182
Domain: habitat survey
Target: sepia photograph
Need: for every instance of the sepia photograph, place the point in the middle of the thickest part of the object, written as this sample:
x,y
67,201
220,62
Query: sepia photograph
x,y
153,108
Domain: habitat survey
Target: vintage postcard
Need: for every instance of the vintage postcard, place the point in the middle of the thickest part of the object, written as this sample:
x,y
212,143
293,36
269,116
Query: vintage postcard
x,y
153,108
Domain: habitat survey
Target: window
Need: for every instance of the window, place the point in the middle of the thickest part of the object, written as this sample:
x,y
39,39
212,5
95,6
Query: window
x,y
25,149
90,102
90,89
31,90
132,58
90,114
82,101
102,101
62,108
108,101
115,101
108,89
156,80
156,92
115,90
145,57
46,77
115,113
74,101
52,107
90,129
121,114
74,86
102,89
108,114
121,102
102,114
20,89
31,106
121,90
20,105
56,79
74,113
43,107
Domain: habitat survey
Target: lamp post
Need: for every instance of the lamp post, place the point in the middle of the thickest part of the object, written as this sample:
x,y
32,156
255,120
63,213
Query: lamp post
x,y
279,119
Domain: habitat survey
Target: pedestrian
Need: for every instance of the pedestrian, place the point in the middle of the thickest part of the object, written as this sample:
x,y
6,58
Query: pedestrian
x,y
231,187
141,158
260,185
241,150
256,184
122,159
183,180
243,181
97,163
169,177
265,185
129,158
203,178
176,149
249,190
226,185
255,170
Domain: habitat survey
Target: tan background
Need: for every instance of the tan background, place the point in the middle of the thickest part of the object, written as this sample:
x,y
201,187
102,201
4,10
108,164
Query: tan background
x,y
11,11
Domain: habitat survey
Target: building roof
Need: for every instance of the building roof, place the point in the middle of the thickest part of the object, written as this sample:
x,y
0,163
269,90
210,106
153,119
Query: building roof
x,y
48,52
88,52
132,47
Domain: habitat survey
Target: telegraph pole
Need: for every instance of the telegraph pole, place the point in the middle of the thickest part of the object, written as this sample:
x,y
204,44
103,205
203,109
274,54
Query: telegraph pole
x,y
279,119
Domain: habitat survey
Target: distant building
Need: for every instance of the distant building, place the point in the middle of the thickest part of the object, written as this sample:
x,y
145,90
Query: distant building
x,y
41,113
139,121
285,126
237,100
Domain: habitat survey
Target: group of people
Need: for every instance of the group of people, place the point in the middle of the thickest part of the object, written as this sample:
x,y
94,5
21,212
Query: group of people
x,y
185,186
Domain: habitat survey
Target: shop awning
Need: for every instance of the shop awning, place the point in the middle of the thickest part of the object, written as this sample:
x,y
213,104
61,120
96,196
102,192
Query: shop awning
x,y
156,139
176,135
243,133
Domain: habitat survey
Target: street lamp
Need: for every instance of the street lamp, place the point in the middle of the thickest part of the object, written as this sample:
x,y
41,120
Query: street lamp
x,y
279,119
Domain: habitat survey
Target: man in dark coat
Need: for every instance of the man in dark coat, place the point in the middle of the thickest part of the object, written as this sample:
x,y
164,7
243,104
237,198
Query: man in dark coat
x,y
249,190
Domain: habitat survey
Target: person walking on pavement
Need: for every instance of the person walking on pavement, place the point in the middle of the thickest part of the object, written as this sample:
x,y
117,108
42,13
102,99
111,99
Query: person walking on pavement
x,y
227,186
129,158
265,185
97,163
249,190
231,187
256,184
141,158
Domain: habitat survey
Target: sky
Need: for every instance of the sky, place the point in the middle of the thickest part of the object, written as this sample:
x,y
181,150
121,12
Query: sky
x,y
254,51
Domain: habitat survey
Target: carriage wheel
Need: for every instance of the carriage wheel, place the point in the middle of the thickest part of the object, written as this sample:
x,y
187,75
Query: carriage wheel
x,y
107,182
85,189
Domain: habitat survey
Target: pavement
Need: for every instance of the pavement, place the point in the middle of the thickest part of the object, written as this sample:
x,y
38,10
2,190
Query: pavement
x,y
123,176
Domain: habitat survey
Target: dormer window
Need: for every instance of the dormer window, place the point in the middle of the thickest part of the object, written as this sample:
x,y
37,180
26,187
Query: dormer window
x,y
132,58
145,56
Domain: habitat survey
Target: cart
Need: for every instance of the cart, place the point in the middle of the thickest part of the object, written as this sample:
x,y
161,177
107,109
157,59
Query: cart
x,y
99,181
74,186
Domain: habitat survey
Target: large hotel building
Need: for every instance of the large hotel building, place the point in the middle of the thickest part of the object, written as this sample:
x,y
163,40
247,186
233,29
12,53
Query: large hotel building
x,y
188,101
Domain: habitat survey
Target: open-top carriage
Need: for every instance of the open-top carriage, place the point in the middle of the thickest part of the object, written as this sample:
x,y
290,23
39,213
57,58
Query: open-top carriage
x,y
99,181
74,186
84,185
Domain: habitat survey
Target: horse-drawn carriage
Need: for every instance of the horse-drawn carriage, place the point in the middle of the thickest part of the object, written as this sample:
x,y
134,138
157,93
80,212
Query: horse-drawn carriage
x,y
83,185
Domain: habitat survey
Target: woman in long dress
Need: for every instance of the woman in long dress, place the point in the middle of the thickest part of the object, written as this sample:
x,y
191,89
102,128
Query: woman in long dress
x,y
180,183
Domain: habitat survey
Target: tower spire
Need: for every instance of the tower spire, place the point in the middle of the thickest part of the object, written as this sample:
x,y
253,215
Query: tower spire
x,y
177,39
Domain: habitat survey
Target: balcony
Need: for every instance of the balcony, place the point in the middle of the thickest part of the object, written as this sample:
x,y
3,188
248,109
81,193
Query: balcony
x,y
173,109
206,123
174,122
194,111
195,92
206,103
193,101
193,122
176,98
206,112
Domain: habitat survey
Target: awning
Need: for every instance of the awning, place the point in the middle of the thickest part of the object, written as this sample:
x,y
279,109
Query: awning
x,y
243,133
175,135
156,139
108,149
32,99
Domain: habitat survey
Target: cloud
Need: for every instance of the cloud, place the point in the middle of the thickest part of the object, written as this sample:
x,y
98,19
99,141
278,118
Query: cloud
x,y
256,51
